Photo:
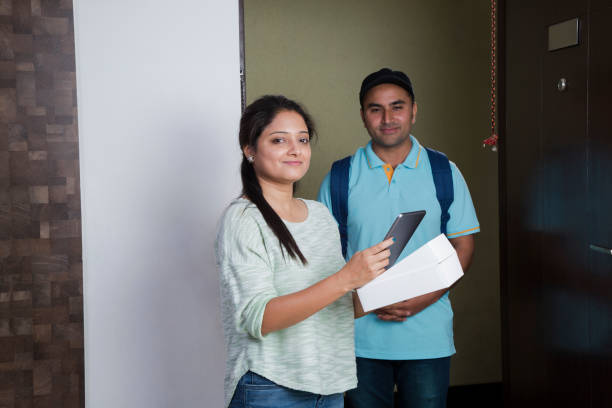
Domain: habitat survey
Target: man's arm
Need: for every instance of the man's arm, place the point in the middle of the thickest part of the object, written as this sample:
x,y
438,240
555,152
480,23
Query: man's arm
x,y
398,312
464,246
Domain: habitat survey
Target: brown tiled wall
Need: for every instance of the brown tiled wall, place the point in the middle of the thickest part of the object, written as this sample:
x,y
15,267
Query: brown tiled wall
x,y
41,302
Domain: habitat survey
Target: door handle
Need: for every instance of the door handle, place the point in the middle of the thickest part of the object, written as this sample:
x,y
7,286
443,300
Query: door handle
x,y
603,250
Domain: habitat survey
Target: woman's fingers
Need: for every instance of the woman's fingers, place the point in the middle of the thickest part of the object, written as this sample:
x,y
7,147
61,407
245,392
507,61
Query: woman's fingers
x,y
381,246
382,255
379,272
379,267
377,262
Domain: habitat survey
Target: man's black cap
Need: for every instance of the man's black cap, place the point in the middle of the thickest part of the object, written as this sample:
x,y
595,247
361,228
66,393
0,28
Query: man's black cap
x,y
385,76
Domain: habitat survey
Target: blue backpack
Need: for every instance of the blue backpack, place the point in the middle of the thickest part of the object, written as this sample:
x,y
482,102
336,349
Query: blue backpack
x,y
339,183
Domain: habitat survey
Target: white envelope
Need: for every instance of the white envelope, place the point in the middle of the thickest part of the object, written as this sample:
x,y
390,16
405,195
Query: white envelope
x,y
433,266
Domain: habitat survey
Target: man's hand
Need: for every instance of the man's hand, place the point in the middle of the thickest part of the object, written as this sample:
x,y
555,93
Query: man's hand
x,y
398,312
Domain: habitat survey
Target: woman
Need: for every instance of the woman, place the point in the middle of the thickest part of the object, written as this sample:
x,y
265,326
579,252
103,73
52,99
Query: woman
x,y
285,288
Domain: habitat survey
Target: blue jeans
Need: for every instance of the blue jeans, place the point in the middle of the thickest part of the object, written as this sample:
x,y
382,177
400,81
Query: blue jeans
x,y
255,391
420,383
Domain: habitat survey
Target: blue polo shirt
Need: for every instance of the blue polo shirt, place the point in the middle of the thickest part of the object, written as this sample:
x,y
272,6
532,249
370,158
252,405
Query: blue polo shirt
x,y
374,202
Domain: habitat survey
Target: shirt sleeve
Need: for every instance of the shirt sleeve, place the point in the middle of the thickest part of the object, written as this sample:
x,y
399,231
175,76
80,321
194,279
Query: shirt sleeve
x,y
324,196
246,275
463,220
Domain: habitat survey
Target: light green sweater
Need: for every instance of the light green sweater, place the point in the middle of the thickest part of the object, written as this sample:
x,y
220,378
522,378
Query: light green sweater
x,y
316,355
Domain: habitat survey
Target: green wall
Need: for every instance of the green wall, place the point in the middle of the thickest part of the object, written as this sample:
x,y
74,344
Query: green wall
x,y
318,52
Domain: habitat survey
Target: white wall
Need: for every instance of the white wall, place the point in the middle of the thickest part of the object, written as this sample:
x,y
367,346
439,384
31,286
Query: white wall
x,y
159,104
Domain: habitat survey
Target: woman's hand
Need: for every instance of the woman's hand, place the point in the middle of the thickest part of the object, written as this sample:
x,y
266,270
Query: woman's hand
x,y
366,265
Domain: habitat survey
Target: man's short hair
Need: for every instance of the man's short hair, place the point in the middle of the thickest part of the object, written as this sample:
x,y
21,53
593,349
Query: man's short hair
x,y
385,76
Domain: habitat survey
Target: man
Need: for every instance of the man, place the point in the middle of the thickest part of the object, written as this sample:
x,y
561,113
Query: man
x,y
407,344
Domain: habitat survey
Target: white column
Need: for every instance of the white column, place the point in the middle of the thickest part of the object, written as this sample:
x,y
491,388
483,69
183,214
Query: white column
x,y
159,104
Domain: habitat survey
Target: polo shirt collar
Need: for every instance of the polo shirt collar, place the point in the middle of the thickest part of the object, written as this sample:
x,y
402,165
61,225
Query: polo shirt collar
x,y
411,161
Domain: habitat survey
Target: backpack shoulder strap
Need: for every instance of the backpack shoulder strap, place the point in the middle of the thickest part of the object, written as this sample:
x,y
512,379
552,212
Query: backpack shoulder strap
x,y
443,180
338,187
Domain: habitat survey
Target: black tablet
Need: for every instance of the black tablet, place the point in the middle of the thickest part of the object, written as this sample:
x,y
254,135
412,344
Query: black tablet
x,y
402,229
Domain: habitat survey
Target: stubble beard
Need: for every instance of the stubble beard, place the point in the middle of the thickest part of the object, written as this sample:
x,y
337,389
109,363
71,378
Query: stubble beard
x,y
396,141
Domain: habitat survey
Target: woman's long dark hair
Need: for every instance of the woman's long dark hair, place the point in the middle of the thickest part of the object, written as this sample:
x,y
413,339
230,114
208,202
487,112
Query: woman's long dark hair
x,y
255,118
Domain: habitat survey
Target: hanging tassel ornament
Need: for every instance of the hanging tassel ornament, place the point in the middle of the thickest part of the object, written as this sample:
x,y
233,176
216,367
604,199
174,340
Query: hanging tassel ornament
x,y
492,140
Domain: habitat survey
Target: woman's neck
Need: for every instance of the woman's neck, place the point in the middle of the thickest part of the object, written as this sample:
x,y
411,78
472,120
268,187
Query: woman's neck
x,y
274,192
280,197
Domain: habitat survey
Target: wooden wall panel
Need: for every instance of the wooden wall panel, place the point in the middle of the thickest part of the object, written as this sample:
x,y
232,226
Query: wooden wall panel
x,y
41,302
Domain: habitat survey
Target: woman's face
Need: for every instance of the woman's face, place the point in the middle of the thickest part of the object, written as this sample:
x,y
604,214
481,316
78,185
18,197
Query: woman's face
x,y
283,149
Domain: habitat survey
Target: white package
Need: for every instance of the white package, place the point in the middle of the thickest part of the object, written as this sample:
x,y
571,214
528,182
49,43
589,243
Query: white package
x,y
433,266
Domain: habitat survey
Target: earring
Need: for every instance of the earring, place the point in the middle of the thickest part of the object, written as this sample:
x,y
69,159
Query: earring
x,y
251,159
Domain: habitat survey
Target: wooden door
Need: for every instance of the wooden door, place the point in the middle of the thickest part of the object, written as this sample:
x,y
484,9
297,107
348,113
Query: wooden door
x,y
557,179
600,194
564,297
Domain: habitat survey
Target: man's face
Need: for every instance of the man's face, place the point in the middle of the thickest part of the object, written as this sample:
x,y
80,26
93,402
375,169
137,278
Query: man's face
x,y
388,114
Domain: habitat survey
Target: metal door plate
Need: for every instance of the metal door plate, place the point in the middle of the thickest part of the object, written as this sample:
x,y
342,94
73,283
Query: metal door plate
x,y
563,35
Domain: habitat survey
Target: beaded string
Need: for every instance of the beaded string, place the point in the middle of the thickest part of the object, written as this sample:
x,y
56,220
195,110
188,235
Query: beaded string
x,y
492,140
